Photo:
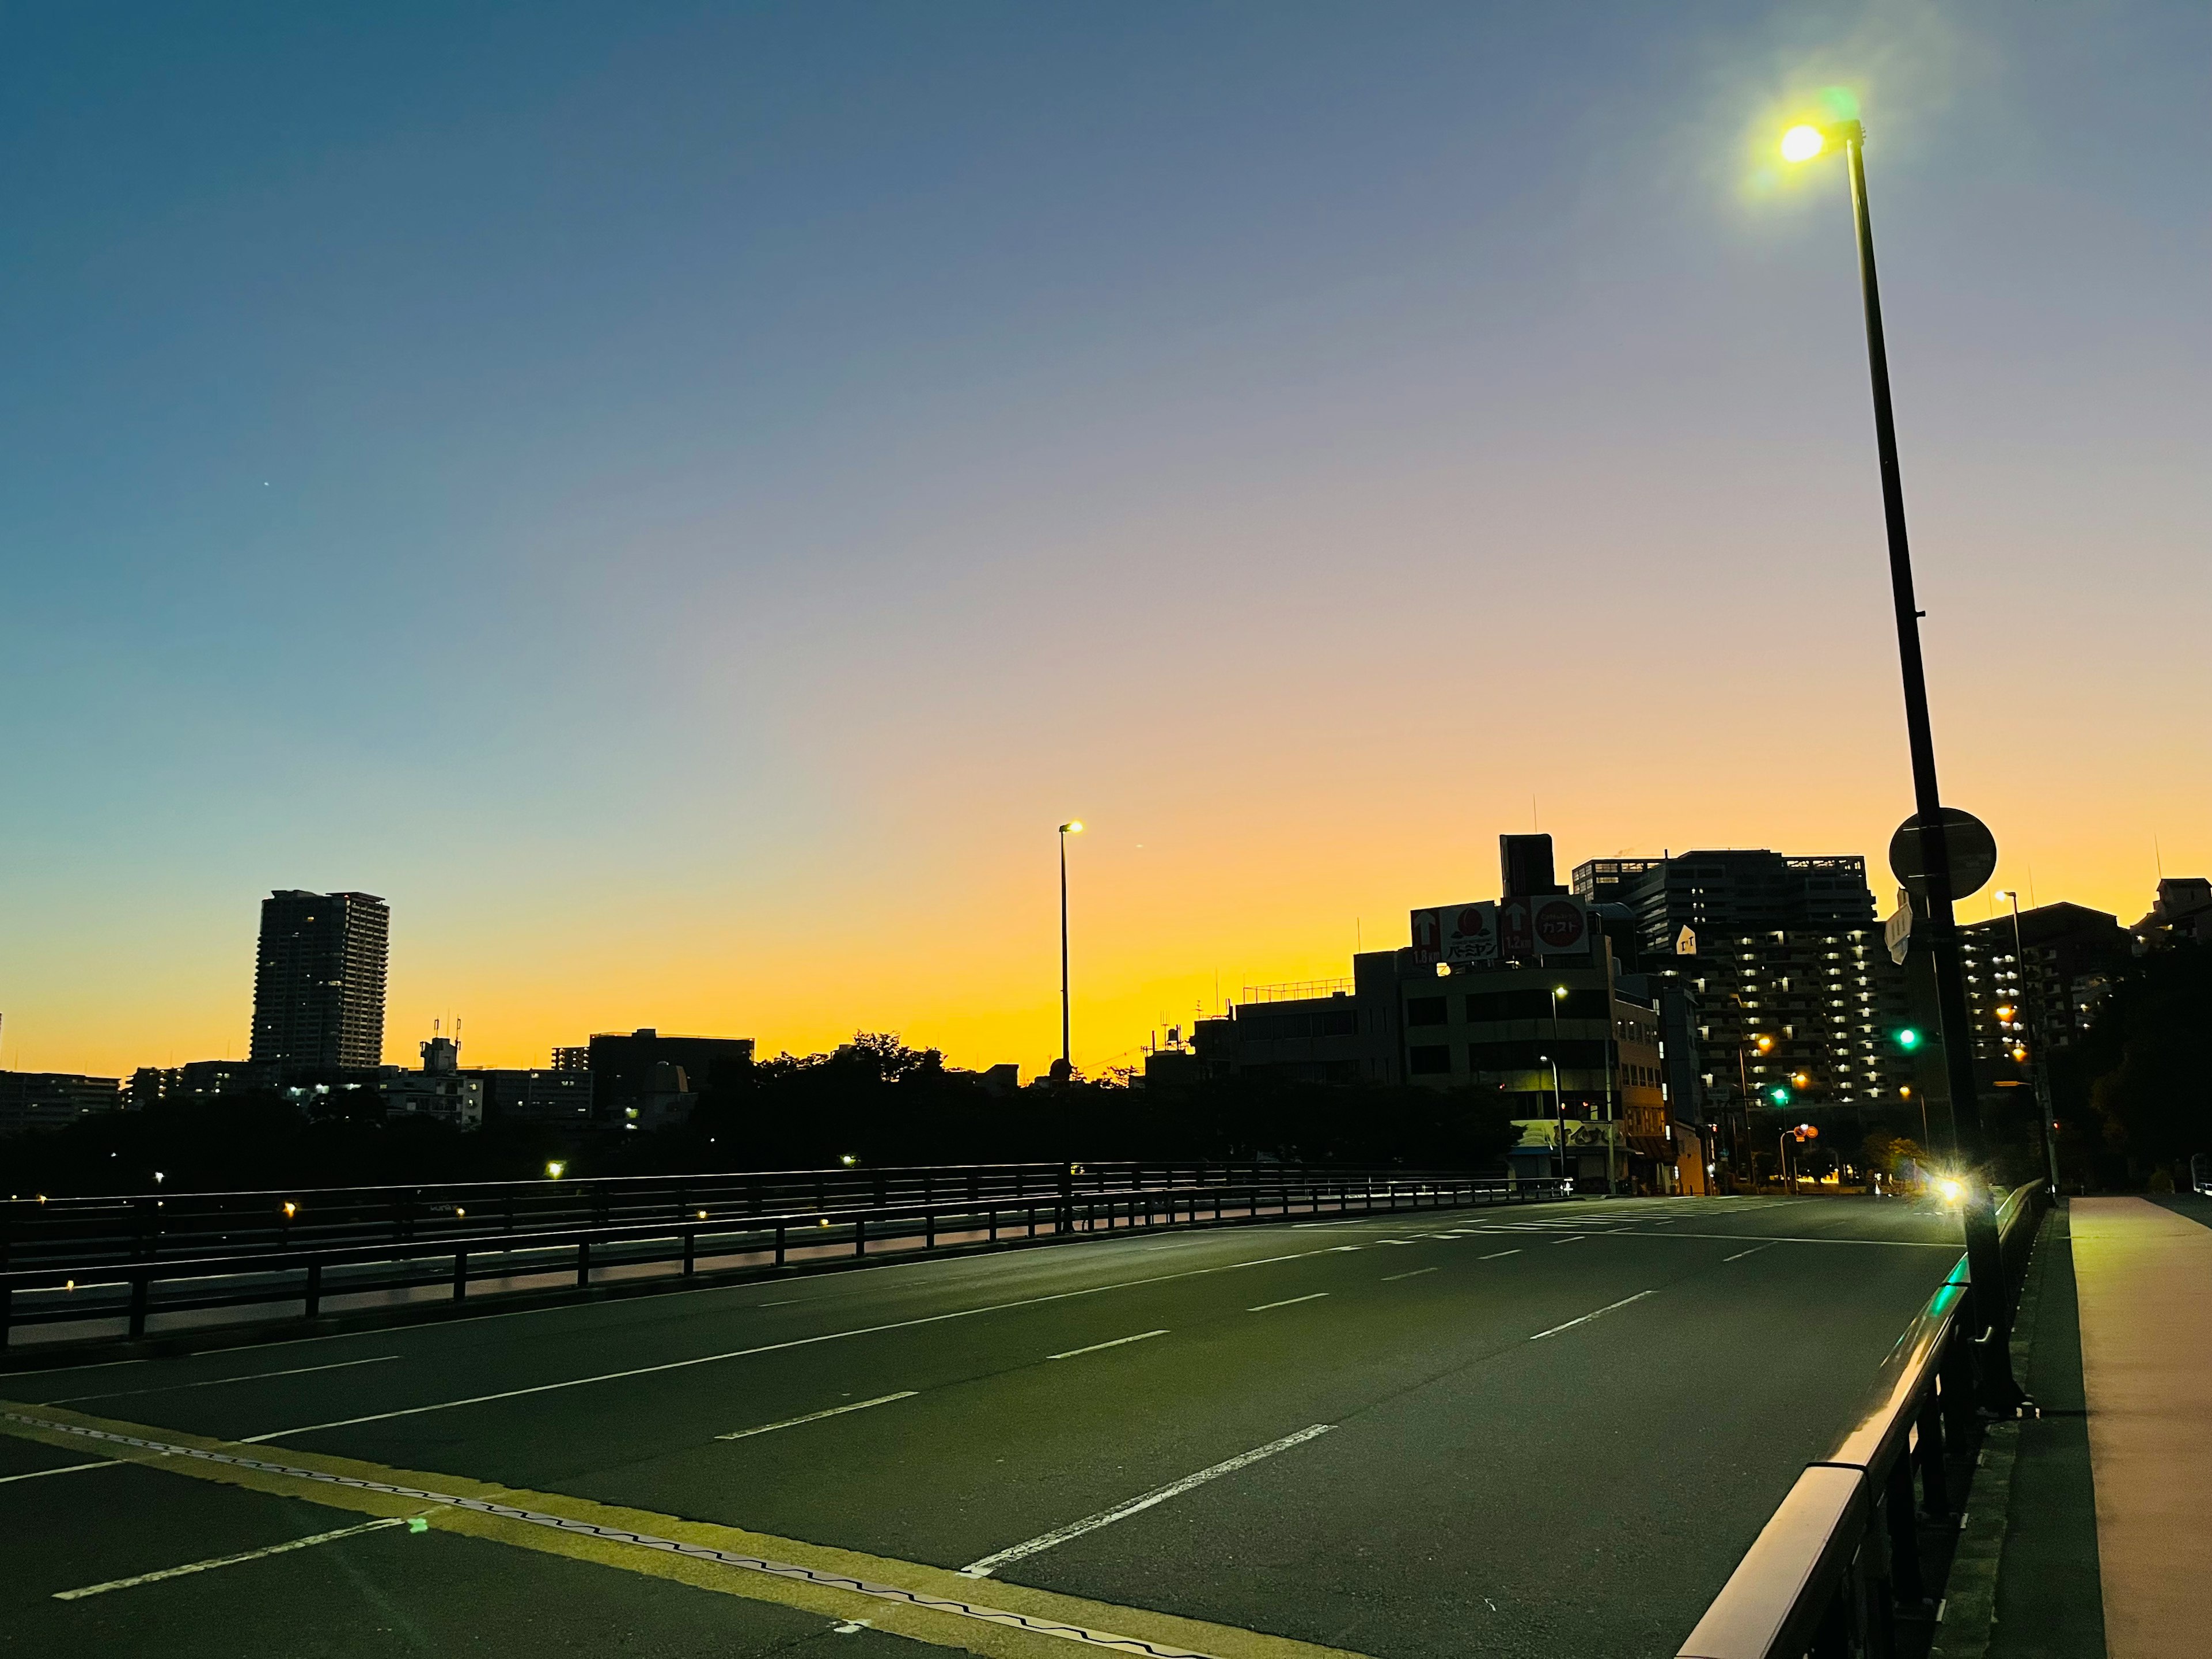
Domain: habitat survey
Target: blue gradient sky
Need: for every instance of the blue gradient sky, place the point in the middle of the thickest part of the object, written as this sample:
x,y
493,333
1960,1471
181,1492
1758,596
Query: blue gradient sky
x,y
682,499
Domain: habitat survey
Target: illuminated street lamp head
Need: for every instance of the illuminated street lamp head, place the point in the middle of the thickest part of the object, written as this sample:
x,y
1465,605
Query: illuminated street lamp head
x,y
553,1168
1072,827
1802,143
1765,1044
1560,992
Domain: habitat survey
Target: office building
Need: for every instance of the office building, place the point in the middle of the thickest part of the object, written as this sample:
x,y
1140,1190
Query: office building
x,y
441,1091
319,982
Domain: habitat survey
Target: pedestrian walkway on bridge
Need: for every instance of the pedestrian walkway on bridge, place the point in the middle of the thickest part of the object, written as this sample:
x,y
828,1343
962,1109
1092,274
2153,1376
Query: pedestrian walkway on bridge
x,y
2107,1539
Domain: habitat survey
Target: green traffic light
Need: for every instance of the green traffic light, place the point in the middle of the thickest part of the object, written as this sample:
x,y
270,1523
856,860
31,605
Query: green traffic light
x,y
1908,1038
1779,1097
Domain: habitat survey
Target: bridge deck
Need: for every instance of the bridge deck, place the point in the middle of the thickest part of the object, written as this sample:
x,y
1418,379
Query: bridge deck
x,y
1546,1432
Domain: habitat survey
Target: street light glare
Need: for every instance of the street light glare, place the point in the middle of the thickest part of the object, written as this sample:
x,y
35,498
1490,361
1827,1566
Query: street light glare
x,y
1072,827
1802,143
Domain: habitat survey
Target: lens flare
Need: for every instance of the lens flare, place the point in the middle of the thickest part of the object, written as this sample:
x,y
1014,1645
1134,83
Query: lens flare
x,y
1802,143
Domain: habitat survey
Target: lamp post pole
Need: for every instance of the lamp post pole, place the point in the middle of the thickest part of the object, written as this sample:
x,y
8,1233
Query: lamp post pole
x,y
1072,827
1559,1110
1979,1213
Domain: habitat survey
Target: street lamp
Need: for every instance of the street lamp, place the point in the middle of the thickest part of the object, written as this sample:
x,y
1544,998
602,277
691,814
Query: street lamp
x,y
2037,1030
1072,827
1559,1111
1801,144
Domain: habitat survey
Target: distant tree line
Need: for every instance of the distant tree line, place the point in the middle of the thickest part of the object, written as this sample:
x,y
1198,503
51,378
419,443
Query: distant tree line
x,y
874,1100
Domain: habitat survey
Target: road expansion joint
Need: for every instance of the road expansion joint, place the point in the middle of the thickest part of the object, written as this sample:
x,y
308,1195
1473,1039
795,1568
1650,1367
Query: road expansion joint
x,y
929,1604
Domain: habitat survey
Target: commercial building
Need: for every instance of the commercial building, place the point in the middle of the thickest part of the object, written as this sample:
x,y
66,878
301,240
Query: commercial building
x,y
441,1091
537,1095
1522,997
644,1079
319,982
47,1100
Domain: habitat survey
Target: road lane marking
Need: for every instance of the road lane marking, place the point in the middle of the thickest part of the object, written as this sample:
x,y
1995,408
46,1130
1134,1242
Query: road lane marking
x,y
778,1347
816,1416
1139,1337
1495,1257
1739,1255
1392,1278
1577,1239
229,1560
991,1564
1587,1318
789,1582
1288,1302
217,1381
66,1468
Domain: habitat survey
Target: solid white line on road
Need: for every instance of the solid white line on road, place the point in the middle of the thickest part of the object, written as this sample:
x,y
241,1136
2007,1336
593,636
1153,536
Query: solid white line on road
x,y
1288,1301
816,1416
990,1563
1139,1337
1493,1258
1415,1273
1587,1318
1577,1239
1739,1255
66,1468
229,1560
217,1381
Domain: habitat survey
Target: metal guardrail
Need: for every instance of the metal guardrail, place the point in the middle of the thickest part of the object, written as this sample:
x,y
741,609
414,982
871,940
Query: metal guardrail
x,y
146,1226
730,1240
1827,1574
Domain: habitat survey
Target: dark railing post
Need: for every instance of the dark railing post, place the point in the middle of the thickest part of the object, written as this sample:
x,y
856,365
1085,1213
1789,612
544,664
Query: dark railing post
x,y
928,1229
314,1298
993,1215
1935,1488
583,1263
460,1274
860,1234
1033,1220
780,1241
141,1292
691,1249
1903,1534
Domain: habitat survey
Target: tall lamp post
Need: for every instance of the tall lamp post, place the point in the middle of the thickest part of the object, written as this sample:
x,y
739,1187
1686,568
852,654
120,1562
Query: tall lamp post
x,y
1559,1110
1979,1213
2039,1025
1072,827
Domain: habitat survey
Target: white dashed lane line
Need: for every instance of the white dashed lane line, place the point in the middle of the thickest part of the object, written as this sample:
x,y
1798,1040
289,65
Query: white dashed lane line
x,y
816,1416
1392,1278
1117,1342
1288,1302
229,1560
1598,1314
990,1563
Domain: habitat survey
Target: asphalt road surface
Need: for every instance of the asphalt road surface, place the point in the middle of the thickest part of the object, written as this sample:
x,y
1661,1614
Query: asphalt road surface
x,y
1547,1432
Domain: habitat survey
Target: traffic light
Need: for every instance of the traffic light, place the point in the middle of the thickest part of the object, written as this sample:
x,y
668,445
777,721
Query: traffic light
x,y
1778,1095
1907,1037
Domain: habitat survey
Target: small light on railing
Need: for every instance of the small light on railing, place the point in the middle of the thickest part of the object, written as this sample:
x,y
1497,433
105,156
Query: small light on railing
x,y
290,1209
702,1215
459,1210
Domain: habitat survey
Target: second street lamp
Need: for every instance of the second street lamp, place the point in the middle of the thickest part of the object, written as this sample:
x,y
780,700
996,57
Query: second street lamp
x,y
1979,1213
1072,827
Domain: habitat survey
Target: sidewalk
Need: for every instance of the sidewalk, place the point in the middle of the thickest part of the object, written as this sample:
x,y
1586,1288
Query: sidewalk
x,y
2143,1274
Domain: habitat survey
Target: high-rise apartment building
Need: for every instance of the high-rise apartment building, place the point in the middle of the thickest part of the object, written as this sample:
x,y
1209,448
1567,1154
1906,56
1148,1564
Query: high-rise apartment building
x,y
319,980
1771,947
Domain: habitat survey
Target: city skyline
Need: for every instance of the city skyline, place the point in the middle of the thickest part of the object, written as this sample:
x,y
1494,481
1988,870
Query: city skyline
x,y
690,569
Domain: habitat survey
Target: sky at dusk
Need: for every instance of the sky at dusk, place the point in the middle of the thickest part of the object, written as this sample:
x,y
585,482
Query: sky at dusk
x,y
682,499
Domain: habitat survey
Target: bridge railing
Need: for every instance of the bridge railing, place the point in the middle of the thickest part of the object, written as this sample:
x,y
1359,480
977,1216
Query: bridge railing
x,y
729,1238
147,1226
1827,1573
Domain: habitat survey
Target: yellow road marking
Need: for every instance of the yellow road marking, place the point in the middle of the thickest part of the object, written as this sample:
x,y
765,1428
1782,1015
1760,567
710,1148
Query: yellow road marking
x,y
52,1426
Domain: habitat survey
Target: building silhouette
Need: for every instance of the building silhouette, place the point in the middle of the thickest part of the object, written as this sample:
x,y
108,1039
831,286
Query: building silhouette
x,y
319,980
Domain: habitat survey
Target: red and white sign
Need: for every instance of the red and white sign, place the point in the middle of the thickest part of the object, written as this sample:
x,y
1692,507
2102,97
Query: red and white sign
x,y
1561,923
1428,935
1470,933
1516,927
